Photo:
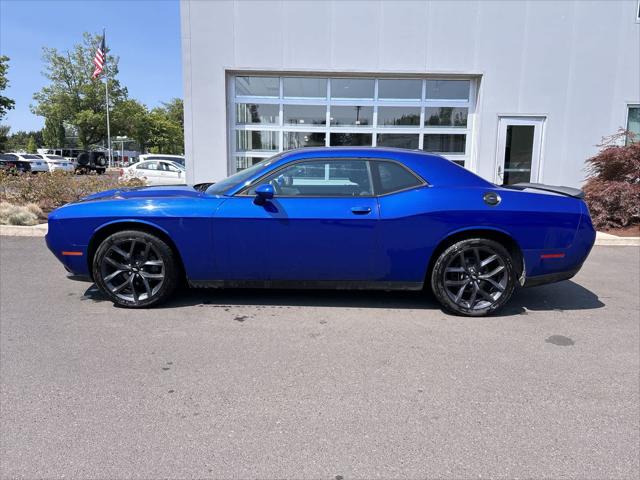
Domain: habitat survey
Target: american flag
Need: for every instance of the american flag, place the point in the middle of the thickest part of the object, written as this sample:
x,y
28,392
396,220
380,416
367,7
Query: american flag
x,y
99,59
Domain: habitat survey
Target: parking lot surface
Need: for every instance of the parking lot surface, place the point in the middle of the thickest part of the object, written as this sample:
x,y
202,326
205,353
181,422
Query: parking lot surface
x,y
266,384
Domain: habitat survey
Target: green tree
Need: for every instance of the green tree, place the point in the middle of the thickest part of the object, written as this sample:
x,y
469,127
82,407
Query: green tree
x,y
166,135
31,145
73,96
133,117
4,137
20,141
53,133
175,110
5,102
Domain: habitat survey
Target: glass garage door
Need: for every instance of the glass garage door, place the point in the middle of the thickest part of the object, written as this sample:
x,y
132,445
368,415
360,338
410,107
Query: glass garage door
x,y
270,114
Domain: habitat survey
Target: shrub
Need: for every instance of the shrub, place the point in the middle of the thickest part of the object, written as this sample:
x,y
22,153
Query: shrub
x,y
612,190
52,190
18,214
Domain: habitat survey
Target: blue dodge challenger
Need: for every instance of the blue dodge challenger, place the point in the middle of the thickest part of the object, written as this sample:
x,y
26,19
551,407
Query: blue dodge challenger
x,y
360,218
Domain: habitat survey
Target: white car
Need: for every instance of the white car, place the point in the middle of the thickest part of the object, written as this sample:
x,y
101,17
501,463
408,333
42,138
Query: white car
x,y
56,162
38,165
161,156
156,172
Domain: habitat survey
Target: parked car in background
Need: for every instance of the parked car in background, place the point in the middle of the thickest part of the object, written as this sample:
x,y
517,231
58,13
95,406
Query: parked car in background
x,y
11,163
58,163
156,172
69,154
38,165
95,161
374,218
161,156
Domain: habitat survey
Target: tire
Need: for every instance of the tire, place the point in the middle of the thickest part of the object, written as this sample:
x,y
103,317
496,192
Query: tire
x,y
83,159
474,277
147,280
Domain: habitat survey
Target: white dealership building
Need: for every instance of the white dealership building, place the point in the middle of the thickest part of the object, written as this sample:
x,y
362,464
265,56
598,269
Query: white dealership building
x,y
512,90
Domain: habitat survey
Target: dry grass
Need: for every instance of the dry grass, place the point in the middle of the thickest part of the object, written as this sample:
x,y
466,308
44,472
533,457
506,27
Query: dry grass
x,y
28,214
48,191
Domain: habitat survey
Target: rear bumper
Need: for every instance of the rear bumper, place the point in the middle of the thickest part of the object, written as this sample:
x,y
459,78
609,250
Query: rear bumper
x,y
60,168
550,278
552,264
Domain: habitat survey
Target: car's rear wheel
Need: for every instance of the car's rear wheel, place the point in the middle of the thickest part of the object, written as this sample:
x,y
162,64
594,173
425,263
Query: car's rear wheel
x,y
474,277
135,269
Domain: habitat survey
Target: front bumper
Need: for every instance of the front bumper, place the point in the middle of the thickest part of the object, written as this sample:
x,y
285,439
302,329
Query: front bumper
x,y
73,257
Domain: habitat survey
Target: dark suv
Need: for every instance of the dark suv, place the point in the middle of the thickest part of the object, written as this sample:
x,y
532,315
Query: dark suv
x,y
91,161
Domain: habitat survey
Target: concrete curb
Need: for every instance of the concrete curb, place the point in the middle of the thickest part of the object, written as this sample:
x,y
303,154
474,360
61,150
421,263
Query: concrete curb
x,y
20,231
611,240
41,230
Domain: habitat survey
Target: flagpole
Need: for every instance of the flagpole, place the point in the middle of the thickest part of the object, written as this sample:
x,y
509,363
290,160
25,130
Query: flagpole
x,y
106,94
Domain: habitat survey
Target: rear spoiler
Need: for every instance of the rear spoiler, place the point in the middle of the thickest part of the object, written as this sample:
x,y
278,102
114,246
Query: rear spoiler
x,y
566,191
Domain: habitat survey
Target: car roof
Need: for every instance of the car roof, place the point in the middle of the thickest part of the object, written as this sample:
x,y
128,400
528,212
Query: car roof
x,y
435,169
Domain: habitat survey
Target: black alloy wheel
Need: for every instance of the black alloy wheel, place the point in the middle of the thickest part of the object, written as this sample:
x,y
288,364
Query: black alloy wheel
x,y
135,269
474,277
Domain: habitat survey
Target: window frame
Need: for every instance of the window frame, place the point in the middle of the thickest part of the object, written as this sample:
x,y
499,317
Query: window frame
x,y
628,116
467,159
377,181
169,165
374,178
140,166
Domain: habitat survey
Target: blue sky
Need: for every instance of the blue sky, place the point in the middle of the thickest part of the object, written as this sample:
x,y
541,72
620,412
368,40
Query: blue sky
x,y
145,34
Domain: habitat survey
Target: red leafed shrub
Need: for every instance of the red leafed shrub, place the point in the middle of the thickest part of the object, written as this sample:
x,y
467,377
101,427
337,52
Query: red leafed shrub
x,y
612,190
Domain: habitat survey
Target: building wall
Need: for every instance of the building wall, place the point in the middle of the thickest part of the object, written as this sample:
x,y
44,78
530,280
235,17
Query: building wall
x,y
577,63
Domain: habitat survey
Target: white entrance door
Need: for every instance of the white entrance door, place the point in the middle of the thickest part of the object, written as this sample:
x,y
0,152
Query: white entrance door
x,y
519,152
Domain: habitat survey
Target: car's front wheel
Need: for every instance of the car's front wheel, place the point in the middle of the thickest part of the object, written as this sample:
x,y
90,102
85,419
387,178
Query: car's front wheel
x,y
135,269
474,277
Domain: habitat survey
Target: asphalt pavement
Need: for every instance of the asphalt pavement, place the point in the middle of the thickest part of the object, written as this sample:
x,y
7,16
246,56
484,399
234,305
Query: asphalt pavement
x,y
285,384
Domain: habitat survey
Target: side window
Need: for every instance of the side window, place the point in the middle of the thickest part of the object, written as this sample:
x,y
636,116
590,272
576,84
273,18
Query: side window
x,y
171,168
148,166
393,177
322,178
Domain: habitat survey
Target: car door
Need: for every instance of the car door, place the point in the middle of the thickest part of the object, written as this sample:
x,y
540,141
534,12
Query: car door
x,y
406,232
320,226
172,174
148,170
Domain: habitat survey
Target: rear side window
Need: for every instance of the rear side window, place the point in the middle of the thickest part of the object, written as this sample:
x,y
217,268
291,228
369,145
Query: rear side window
x,y
393,177
148,166
166,159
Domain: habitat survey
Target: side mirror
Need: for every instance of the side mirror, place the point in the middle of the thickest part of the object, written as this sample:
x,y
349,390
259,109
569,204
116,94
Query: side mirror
x,y
263,193
179,173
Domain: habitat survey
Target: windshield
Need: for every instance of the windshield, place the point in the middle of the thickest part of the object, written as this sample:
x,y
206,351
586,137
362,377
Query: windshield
x,y
32,157
240,177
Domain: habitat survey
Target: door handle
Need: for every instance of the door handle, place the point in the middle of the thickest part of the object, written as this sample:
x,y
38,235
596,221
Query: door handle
x,y
360,210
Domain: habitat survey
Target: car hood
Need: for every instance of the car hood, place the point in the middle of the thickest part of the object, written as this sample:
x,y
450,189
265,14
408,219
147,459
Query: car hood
x,y
146,192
